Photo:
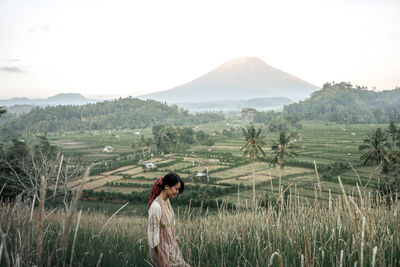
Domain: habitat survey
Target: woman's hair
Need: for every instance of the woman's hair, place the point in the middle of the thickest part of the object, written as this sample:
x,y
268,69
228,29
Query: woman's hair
x,y
172,179
169,179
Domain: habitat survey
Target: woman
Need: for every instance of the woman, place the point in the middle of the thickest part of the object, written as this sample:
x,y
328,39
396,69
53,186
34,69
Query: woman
x,y
164,250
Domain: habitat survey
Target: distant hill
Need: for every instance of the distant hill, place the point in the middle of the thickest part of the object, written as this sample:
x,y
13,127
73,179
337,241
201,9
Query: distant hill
x,y
123,113
238,79
262,103
19,109
344,103
60,99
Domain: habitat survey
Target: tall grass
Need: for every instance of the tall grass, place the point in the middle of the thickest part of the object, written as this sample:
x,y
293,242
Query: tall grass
x,y
349,230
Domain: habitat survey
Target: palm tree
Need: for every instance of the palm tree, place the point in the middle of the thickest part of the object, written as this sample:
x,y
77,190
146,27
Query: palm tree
x,y
252,148
375,147
142,143
134,149
392,131
149,143
162,139
282,149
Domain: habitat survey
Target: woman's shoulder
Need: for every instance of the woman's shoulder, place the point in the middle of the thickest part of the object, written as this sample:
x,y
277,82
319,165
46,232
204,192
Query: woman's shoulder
x,y
155,205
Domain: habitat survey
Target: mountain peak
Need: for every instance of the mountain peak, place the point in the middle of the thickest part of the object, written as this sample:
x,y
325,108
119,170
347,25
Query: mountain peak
x,y
245,60
238,78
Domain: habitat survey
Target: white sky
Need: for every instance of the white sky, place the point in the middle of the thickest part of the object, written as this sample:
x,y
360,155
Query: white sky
x,y
120,48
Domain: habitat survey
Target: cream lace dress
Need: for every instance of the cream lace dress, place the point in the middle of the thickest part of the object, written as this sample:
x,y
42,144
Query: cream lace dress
x,y
161,232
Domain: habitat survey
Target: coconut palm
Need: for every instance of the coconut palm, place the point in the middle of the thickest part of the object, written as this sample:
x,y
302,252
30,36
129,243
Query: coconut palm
x,y
149,142
392,131
142,143
252,148
375,148
162,139
282,149
134,149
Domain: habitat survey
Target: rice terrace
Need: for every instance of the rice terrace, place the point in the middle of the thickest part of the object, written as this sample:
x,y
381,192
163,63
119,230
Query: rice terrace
x,y
199,133
304,215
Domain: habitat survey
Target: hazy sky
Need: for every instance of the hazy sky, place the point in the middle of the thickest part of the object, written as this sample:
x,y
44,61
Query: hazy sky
x,y
121,48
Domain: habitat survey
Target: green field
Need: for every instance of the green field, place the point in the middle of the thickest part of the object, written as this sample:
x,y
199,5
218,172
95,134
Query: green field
x,y
319,142
303,219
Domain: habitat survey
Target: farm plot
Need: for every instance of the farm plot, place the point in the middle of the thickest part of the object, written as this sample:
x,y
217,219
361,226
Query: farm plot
x,y
123,190
100,182
133,181
261,168
177,166
133,171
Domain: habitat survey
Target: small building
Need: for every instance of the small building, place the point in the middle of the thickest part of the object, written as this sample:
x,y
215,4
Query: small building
x,y
108,149
292,141
148,166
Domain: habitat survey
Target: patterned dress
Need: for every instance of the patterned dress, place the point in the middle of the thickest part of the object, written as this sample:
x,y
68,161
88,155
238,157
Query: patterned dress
x,y
161,232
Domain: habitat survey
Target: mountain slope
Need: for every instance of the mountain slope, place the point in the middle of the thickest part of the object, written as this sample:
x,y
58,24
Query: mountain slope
x,y
60,99
343,103
238,79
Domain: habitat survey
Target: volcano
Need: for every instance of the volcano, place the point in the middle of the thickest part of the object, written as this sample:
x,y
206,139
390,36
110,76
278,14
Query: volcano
x,y
238,79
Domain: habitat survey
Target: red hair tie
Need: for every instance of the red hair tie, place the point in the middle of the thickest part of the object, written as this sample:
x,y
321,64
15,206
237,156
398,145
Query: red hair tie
x,y
155,190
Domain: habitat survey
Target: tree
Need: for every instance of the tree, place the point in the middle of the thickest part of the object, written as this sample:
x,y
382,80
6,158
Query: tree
x,y
160,137
201,136
142,144
293,120
44,150
282,149
149,142
133,146
187,135
248,114
374,148
252,148
2,111
377,150
392,131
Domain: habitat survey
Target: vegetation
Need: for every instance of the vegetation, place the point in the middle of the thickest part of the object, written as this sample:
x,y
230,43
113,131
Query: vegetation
x,y
346,230
378,150
253,148
344,103
282,149
123,113
296,220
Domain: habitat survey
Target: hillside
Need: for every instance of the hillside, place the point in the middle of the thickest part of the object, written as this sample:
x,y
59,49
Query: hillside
x,y
126,113
60,99
238,79
344,103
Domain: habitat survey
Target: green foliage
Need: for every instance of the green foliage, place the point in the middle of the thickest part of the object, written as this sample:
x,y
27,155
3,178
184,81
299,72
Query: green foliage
x,y
344,103
123,113
374,148
202,136
19,165
208,142
282,149
377,150
278,125
254,142
187,135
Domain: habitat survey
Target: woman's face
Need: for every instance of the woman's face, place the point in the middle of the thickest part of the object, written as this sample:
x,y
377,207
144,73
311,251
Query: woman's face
x,y
172,191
